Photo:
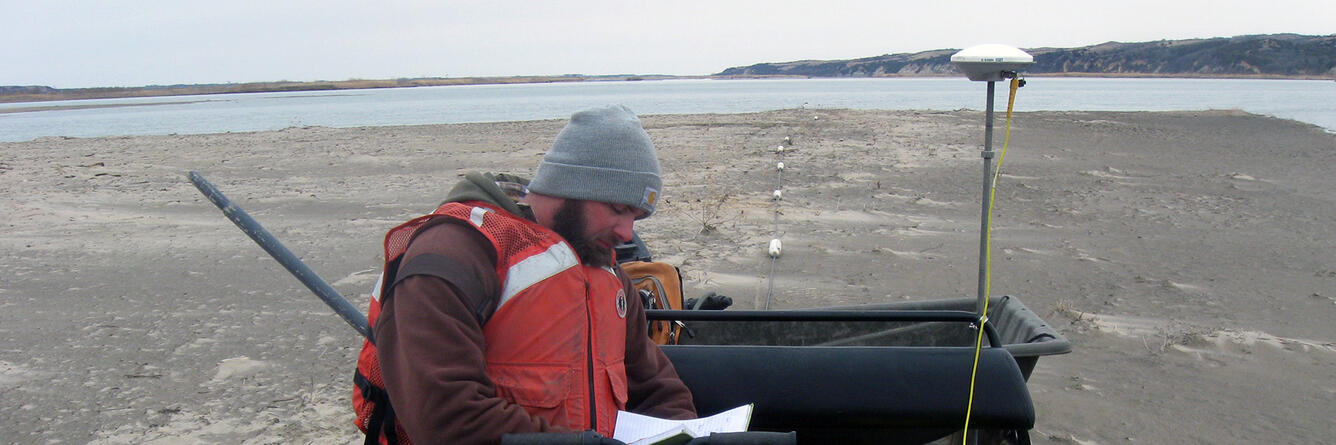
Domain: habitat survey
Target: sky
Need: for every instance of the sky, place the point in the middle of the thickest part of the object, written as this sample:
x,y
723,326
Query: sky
x,y
79,44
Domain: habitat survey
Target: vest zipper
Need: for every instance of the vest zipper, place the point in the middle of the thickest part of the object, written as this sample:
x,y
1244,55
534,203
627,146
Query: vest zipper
x,y
589,354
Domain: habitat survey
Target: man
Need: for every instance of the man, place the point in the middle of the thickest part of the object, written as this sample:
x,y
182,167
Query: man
x,y
512,317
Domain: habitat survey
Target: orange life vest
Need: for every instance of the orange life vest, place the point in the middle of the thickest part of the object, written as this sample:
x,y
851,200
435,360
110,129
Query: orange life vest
x,y
556,343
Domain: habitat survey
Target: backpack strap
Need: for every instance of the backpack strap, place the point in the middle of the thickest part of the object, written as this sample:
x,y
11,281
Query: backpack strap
x,y
382,416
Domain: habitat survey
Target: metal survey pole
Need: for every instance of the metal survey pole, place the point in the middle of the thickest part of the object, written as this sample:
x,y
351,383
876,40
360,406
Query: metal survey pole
x,y
987,188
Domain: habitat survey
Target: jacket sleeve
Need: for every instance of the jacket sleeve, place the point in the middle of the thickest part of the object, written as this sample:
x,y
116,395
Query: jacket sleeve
x,y
654,389
430,347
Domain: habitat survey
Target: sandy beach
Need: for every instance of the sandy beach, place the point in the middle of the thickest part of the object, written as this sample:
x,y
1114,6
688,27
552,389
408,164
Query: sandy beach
x,y
1188,257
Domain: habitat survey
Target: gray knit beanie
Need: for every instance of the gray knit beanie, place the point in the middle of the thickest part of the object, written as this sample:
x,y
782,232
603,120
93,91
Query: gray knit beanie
x,y
602,155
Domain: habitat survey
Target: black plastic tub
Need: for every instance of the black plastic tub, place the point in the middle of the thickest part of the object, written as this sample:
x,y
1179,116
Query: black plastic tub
x,y
885,373
1019,330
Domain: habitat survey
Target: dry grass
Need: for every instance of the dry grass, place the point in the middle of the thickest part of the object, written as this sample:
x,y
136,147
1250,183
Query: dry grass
x,y
709,212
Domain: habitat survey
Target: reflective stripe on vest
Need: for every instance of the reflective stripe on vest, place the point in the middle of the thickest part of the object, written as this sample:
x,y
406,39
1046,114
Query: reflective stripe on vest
x,y
531,270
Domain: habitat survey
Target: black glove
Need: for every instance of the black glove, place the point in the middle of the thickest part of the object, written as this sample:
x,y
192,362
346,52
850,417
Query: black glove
x,y
709,302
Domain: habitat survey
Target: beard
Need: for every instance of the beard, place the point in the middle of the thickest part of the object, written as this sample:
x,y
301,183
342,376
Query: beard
x,y
569,222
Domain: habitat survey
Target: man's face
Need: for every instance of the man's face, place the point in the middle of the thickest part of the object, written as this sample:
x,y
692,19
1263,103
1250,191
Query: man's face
x,y
593,228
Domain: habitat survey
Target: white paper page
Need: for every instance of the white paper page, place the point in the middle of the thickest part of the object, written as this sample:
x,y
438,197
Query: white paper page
x,y
731,421
632,427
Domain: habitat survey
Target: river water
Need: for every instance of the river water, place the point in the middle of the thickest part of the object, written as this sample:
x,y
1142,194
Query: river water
x,y
1311,101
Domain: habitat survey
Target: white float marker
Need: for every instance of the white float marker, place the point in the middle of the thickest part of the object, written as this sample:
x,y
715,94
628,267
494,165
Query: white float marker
x,y
775,248
779,194
780,166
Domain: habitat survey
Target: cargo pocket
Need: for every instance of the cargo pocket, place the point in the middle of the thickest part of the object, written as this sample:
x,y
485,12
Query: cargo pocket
x,y
617,377
540,389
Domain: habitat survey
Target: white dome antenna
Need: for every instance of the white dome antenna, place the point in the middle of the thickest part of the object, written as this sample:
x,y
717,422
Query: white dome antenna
x,y
988,62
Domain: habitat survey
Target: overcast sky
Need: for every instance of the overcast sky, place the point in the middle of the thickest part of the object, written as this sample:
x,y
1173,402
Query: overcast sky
x,y
70,44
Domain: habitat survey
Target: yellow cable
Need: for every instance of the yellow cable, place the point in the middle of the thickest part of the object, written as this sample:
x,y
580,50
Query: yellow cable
x,y
988,259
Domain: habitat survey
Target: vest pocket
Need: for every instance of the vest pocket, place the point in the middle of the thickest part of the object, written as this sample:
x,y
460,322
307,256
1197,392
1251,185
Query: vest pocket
x,y
532,385
617,377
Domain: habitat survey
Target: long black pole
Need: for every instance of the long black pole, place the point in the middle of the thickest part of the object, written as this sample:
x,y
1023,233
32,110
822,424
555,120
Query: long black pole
x,y
256,232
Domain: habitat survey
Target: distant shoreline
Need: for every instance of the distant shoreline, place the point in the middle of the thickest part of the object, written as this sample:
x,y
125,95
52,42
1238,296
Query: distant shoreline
x,y
54,94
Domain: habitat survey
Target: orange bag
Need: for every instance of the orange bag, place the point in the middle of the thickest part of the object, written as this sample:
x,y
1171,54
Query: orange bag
x,y
660,286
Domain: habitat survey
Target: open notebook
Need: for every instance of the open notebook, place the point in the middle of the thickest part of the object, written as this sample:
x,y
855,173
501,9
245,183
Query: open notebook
x,y
637,429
